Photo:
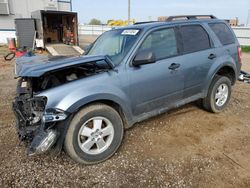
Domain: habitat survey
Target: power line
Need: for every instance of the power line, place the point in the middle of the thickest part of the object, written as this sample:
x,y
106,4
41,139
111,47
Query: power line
x,y
129,11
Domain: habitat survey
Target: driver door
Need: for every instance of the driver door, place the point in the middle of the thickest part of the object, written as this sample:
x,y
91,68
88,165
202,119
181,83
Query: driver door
x,y
158,85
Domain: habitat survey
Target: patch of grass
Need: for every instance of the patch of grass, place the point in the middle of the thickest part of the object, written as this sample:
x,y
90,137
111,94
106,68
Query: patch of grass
x,y
245,48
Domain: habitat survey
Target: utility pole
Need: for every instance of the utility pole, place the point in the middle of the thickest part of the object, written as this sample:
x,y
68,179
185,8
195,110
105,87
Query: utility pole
x,y
248,18
128,12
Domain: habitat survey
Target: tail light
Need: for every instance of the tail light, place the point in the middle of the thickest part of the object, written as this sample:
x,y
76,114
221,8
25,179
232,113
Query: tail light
x,y
239,54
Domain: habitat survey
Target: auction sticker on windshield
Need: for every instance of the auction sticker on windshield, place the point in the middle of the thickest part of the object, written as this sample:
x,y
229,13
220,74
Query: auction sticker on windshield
x,y
130,32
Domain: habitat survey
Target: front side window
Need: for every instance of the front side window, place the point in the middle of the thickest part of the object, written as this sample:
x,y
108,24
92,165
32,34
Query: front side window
x,y
115,44
162,43
194,38
223,33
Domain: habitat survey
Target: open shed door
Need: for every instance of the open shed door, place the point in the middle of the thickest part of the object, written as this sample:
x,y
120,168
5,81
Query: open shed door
x,y
25,32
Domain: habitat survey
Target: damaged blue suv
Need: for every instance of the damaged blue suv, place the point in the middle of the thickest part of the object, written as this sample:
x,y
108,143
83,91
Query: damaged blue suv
x,y
83,104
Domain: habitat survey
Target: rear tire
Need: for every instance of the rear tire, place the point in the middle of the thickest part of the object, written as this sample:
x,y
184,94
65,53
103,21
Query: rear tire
x,y
219,94
94,135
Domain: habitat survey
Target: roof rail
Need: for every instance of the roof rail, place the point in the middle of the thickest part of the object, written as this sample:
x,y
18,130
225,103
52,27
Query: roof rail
x,y
138,23
190,17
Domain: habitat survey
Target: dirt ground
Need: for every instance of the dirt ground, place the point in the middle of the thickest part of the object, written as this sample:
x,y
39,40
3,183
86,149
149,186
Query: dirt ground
x,y
187,147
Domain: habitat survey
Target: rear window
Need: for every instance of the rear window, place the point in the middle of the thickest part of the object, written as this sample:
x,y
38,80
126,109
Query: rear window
x,y
223,32
194,38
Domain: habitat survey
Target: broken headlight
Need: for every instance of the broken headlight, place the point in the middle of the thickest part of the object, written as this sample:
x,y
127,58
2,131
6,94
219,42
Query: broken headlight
x,y
36,109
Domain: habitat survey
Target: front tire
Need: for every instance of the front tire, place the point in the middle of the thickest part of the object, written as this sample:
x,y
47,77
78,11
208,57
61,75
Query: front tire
x,y
94,135
219,94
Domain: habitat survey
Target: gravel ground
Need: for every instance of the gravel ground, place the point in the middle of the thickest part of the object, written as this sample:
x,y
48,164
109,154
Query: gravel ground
x,y
187,147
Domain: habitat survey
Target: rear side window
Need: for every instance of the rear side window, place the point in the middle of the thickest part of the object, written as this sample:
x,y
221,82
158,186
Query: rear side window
x,y
194,38
223,33
162,43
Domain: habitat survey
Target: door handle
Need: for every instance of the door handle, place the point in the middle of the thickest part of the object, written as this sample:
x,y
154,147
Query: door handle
x,y
212,56
174,66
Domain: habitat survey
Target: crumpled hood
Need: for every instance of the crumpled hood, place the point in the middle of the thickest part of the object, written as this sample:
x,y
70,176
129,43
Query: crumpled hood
x,y
36,66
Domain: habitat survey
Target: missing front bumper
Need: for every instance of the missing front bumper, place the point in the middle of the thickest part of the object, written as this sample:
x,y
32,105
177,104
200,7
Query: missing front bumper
x,y
34,130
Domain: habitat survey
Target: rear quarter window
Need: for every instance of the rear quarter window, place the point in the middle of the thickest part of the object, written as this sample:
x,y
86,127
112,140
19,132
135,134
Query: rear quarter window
x,y
223,33
194,38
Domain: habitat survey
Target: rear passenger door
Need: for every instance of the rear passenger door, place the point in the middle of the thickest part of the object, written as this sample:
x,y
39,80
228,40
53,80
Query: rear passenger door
x,y
198,55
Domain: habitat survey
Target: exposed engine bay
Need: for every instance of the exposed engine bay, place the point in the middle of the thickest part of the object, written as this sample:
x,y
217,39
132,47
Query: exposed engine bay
x,y
59,77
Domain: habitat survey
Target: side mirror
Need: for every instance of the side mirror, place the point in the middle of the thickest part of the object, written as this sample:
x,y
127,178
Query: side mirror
x,y
143,58
87,48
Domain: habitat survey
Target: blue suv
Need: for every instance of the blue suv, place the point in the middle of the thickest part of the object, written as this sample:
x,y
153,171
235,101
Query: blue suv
x,y
127,75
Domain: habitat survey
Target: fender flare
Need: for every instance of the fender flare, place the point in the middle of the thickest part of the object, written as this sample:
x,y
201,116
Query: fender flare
x,y
229,65
103,97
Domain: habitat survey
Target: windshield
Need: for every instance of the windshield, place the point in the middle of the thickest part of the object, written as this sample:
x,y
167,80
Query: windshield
x,y
115,44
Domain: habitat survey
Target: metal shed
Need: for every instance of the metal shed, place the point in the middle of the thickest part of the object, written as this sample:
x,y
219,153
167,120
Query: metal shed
x,y
25,32
55,27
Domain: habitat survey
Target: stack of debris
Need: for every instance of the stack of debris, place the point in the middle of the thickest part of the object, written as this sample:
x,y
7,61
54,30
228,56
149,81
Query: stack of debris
x,y
244,77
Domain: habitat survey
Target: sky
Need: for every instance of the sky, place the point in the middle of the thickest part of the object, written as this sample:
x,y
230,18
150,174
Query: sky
x,y
149,10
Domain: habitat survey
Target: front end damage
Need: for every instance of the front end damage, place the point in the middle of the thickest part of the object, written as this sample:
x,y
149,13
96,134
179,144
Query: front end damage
x,y
35,125
42,126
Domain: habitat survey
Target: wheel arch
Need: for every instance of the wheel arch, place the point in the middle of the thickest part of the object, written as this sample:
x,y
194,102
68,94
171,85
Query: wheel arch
x,y
227,70
112,104
119,106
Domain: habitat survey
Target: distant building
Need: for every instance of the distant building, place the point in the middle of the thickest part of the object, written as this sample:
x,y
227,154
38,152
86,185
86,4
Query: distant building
x,y
11,9
162,18
233,22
